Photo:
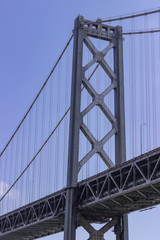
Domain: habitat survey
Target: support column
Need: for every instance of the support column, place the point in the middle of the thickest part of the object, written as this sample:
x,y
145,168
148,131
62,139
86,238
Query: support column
x,y
75,121
121,229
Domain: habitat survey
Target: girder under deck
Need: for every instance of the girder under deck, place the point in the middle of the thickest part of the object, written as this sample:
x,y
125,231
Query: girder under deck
x,y
129,187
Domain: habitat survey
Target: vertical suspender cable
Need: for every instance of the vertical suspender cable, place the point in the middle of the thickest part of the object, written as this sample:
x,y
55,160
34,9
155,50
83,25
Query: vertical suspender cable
x,y
6,176
2,169
159,34
130,98
141,90
22,188
51,144
154,122
9,175
134,82
147,84
34,168
132,91
11,172
44,151
41,154
65,122
57,160
28,182
17,168
4,180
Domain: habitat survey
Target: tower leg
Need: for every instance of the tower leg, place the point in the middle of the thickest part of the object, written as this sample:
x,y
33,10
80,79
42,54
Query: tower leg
x,y
75,121
121,228
70,217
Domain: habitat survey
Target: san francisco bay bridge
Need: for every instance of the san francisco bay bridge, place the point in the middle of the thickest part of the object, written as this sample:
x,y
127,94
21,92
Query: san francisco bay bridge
x,y
88,149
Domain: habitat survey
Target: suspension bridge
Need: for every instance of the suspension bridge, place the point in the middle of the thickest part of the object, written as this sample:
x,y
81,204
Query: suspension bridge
x,y
65,165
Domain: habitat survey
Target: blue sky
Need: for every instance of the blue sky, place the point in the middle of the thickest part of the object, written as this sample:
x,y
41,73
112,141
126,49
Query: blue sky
x,y
33,33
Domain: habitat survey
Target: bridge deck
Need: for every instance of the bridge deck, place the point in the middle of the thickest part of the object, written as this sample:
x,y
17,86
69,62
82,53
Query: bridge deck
x,y
132,186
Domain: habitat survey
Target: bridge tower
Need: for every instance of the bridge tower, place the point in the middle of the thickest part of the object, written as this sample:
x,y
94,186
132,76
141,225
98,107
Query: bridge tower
x,y
84,32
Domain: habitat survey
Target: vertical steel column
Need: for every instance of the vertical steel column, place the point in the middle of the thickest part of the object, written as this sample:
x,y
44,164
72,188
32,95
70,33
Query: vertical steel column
x,y
75,121
121,228
120,140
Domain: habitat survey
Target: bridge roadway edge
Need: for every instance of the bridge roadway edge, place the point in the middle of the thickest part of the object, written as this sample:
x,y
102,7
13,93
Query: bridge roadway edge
x,y
131,186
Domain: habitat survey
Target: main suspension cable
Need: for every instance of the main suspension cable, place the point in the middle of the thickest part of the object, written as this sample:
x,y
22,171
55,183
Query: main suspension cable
x,y
142,32
37,95
132,15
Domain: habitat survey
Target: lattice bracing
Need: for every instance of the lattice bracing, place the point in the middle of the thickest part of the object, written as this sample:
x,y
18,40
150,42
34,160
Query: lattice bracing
x,y
98,100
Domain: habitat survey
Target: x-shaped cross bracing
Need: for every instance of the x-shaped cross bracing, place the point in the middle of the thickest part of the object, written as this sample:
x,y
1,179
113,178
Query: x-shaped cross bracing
x,y
98,100
96,234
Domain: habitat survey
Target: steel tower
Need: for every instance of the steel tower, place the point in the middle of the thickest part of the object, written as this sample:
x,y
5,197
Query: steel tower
x,y
84,32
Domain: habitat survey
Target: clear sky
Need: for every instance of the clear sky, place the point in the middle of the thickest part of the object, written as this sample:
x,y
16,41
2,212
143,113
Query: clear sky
x,y
32,35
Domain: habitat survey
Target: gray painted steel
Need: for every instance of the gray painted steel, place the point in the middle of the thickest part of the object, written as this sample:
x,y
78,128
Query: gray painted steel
x,y
75,121
120,139
131,186
83,29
